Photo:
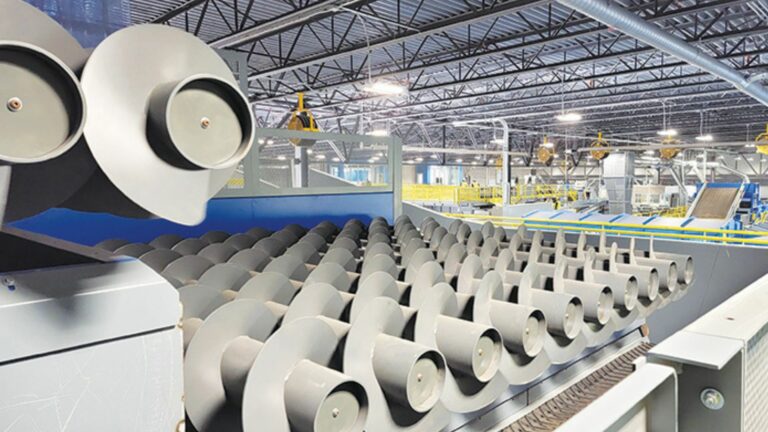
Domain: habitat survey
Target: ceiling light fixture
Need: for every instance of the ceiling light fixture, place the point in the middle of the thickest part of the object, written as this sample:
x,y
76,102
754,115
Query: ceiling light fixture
x,y
320,157
336,159
459,160
281,157
384,88
705,138
569,117
418,159
378,133
667,133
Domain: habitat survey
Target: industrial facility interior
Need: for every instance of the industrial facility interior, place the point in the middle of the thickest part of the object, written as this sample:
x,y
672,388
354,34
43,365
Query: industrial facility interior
x,y
383,215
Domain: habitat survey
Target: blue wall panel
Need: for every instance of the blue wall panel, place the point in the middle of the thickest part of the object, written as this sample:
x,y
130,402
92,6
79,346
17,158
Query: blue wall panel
x,y
227,214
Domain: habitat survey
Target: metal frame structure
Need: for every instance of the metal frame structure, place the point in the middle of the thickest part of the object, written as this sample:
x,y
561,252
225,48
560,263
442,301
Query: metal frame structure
x,y
523,60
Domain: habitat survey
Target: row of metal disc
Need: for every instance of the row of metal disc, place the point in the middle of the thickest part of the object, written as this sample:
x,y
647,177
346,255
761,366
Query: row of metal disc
x,y
400,326
150,122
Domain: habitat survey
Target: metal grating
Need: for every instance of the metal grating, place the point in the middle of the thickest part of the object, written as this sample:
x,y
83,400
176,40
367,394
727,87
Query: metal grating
x,y
756,383
715,203
556,411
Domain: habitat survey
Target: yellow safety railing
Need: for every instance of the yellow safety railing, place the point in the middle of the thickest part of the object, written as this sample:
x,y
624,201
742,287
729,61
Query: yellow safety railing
x,y
492,194
669,232
679,211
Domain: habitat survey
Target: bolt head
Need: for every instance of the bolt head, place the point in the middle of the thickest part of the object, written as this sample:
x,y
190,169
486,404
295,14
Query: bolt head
x,y
712,398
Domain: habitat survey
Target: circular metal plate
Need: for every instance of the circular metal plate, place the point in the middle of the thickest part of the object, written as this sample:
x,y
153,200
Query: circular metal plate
x,y
251,259
64,165
111,245
205,399
166,241
265,287
217,252
225,277
118,92
134,250
188,268
378,284
200,300
241,241
317,299
159,259
190,246
265,391
212,237
332,274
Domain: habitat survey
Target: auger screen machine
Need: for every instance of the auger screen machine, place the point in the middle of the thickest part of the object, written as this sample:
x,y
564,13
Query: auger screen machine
x,y
151,123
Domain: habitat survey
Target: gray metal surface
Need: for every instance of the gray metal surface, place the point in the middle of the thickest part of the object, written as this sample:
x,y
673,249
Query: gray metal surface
x,y
117,131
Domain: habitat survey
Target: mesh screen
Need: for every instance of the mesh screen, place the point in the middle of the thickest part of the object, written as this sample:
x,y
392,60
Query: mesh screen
x,y
715,203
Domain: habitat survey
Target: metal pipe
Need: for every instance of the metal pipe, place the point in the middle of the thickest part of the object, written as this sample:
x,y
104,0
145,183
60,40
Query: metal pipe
x,y
613,15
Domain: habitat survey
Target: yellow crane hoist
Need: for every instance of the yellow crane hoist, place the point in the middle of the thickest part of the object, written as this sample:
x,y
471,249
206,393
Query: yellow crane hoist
x,y
761,142
597,152
302,120
546,152
670,150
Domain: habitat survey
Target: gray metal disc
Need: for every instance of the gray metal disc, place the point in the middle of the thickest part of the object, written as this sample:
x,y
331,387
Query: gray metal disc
x,y
296,229
428,229
456,255
190,246
385,316
133,250
200,300
55,164
258,233
346,243
111,245
487,229
159,259
474,241
289,266
378,249
217,252
271,246
499,234
205,398
419,258
251,259
304,340
437,237
225,277
463,233
265,287
446,242
316,299
332,274
316,240
241,241
118,94
212,237
379,263
378,284
489,251
379,238
342,257
187,268
287,238
430,274
411,247
305,252
166,241
453,228
471,271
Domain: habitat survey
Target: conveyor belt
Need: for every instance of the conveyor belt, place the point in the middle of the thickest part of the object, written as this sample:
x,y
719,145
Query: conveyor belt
x,y
556,411
715,203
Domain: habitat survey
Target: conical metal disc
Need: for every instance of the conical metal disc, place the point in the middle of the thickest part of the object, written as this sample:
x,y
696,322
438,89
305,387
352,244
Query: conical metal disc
x,y
52,111
305,252
289,266
271,246
379,263
378,284
212,237
118,93
342,257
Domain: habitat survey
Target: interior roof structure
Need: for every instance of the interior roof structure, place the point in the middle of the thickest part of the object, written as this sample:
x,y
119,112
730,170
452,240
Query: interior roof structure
x,y
521,60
